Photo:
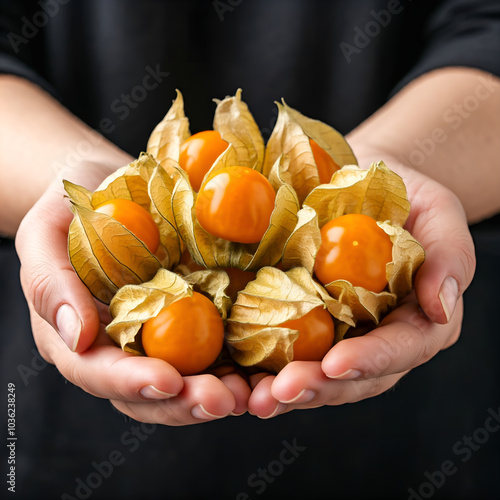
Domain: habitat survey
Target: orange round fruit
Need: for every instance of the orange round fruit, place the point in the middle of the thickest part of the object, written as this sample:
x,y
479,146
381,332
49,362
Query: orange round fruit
x,y
316,334
354,248
325,163
198,154
236,204
135,218
188,334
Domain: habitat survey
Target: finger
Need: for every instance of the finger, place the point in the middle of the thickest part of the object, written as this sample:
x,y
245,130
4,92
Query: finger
x,y
262,403
240,391
106,371
441,227
405,339
203,398
302,384
256,378
48,280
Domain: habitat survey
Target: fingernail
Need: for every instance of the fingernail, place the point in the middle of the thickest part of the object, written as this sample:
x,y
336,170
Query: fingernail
x,y
69,325
237,414
350,374
151,392
303,396
280,407
199,412
448,295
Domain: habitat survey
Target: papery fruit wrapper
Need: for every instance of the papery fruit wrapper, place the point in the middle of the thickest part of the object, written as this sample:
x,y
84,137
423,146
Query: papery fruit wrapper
x,y
254,336
291,136
133,305
106,255
166,139
237,126
212,252
232,119
381,194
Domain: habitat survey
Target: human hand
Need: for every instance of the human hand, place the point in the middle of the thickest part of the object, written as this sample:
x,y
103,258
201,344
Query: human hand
x,y
68,327
427,321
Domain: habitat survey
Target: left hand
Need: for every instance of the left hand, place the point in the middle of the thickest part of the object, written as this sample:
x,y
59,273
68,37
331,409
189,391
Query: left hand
x,y
426,321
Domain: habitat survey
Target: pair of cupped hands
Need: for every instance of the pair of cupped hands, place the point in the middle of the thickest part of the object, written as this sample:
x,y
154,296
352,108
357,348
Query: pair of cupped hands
x,y
68,323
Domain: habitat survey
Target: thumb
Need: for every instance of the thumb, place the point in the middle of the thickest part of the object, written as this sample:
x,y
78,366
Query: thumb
x,y
441,227
50,285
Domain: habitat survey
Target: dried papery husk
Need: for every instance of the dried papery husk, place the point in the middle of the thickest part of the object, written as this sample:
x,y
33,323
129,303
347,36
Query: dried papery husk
x,y
302,245
254,336
212,252
232,119
166,139
133,305
370,307
237,126
291,136
161,187
378,192
381,194
105,254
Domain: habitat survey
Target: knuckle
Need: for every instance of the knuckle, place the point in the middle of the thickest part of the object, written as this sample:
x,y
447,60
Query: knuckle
x,y
37,286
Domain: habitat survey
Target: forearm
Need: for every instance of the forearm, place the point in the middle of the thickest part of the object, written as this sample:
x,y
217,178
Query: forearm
x,y
38,138
446,124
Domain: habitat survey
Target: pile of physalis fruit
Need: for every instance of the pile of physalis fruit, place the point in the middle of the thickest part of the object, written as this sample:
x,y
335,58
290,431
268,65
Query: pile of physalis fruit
x,y
217,252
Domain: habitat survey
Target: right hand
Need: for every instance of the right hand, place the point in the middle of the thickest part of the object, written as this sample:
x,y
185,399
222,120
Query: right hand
x,y
68,327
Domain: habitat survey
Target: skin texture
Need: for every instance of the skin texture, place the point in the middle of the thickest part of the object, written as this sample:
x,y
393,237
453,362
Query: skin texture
x,y
62,308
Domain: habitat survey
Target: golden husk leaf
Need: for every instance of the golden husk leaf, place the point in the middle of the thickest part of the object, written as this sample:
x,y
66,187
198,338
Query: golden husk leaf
x,y
105,254
368,306
166,139
291,136
212,252
301,247
133,305
237,126
378,192
274,297
381,194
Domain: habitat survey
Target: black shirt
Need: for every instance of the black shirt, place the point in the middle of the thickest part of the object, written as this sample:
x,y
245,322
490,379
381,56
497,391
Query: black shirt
x,y
335,61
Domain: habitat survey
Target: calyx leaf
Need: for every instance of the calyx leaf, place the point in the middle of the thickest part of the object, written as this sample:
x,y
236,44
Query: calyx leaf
x,y
291,136
133,305
274,297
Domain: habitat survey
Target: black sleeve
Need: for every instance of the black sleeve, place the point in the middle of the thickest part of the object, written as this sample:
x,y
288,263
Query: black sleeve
x,y
460,33
18,38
